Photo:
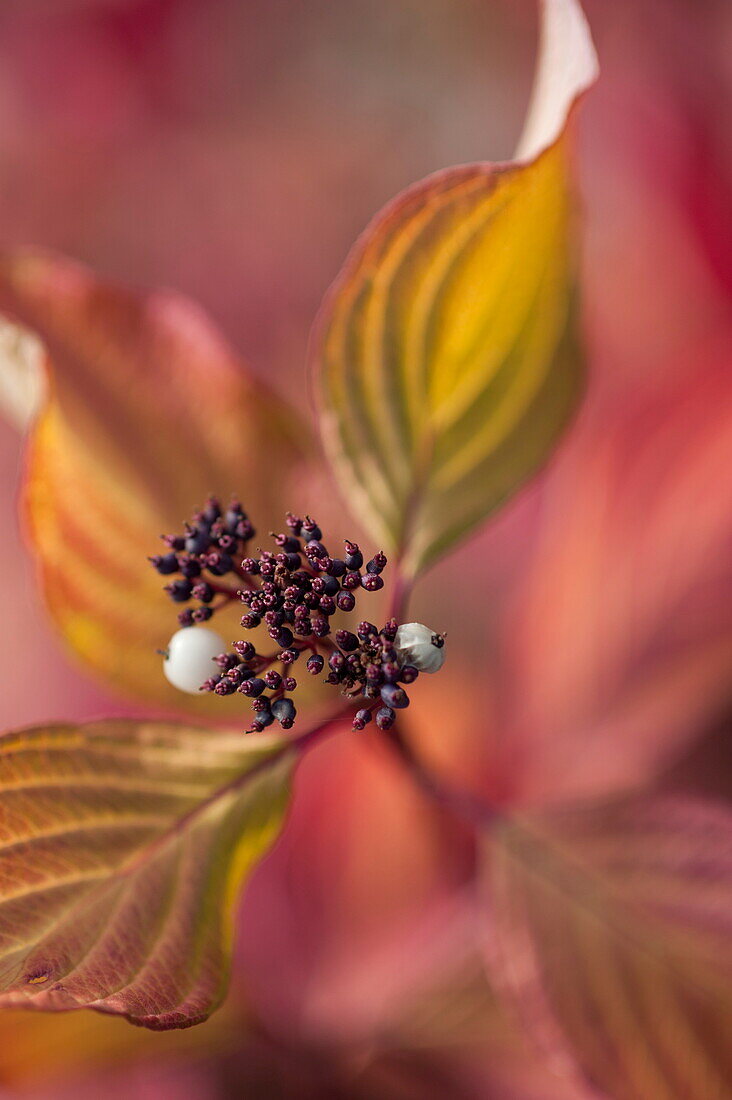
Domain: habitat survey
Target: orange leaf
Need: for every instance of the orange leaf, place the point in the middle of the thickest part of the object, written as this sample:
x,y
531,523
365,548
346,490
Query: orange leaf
x,y
148,412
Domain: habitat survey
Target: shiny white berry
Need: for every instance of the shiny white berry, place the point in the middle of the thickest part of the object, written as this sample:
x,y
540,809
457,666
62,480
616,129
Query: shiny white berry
x,y
420,647
190,652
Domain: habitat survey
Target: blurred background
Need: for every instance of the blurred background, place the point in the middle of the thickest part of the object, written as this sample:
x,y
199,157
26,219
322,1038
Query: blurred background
x,y
233,149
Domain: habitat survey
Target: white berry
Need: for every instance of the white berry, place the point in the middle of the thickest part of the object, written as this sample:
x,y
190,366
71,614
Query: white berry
x,y
420,647
190,652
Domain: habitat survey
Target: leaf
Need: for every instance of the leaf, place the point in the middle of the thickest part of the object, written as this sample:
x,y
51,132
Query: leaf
x,y
122,848
21,375
617,645
446,355
148,412
614,935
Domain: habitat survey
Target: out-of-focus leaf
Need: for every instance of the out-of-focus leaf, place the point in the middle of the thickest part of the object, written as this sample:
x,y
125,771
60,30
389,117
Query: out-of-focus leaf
x,y
617,645
614,934
21,374
148,412
446,353
122,847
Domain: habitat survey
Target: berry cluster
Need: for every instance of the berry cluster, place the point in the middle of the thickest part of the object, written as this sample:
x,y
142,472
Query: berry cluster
x,y
209,548
294,591
368,664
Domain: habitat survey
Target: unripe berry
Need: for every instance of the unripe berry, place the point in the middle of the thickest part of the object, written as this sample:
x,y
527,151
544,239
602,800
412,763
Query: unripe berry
x,y
190,653
420,647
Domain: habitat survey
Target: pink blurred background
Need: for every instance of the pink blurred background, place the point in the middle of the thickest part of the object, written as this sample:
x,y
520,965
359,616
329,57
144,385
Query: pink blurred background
x,y
233,149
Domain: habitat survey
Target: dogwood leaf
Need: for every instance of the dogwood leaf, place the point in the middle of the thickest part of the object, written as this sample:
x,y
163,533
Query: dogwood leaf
x,y
147,411
613,935
446,355
122,848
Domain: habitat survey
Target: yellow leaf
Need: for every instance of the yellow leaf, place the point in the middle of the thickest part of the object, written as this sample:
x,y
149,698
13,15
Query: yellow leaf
x,y
446,355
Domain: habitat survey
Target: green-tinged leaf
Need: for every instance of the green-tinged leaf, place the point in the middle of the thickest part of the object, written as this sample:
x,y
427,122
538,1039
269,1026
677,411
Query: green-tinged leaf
x,y
614,935
446,354
122,848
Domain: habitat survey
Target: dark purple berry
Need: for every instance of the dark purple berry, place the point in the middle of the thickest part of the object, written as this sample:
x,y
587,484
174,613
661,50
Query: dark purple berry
x,y
346,640
408,674
179,591
346,601
272,679
315,664
203,592
245,650
189,567
372,582
262,719
197,541
165,563
175,542
353,557
394,696
289,683
385,718
284,711
225,687
253,687
377,563
219,563
320,626
310,529
362,717
336,662
351,580
225,661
